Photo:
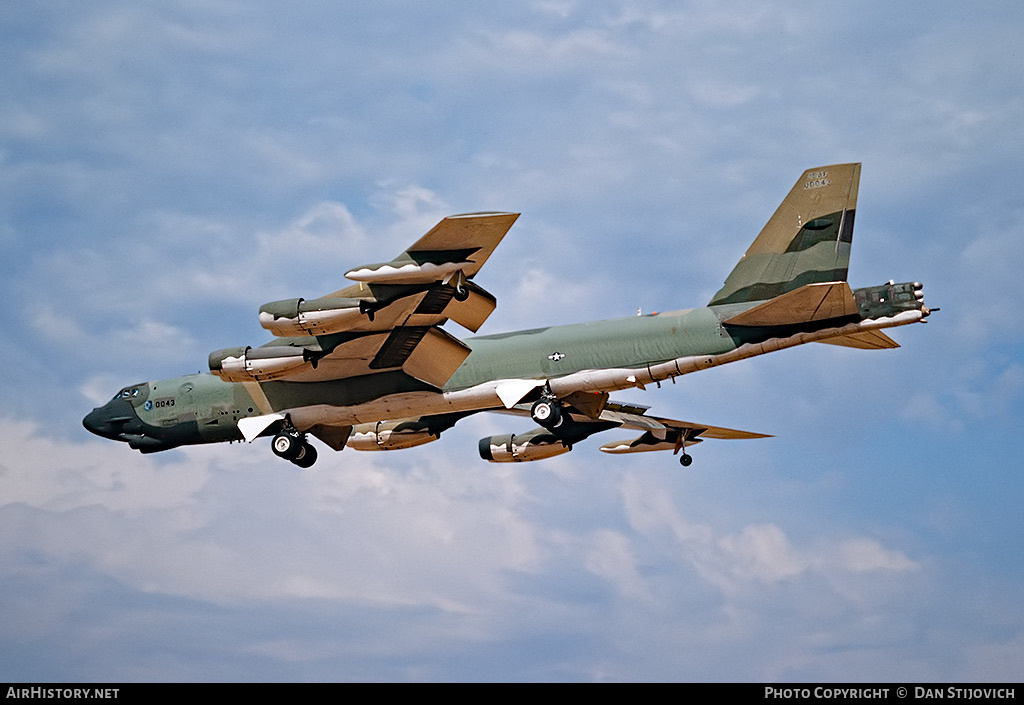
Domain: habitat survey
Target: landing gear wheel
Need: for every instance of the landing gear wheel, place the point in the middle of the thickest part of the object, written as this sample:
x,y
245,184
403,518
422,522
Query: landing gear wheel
x,y
461,293
685,460
287,445
306,457
547,413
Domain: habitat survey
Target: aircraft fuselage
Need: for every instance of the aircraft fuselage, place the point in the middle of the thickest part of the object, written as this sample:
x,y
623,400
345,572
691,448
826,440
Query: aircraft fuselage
x,y
599,356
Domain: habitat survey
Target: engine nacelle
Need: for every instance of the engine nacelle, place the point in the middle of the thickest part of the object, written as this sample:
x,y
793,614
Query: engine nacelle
x,y
298,317
390,435
510,448
262,364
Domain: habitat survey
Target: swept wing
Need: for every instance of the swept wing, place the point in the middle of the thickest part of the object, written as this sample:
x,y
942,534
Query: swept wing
x,y
389,320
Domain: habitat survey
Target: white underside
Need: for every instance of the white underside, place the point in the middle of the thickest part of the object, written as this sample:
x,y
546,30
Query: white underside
x,y
502,394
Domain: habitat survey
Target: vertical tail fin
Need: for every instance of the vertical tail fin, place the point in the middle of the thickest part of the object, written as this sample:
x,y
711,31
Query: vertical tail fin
x,y
806,241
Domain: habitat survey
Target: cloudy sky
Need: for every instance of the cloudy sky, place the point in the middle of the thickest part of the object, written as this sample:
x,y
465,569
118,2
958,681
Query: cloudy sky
x,y
167,168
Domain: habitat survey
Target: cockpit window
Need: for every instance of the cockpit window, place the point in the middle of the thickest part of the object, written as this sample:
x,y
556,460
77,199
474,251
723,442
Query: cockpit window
x,y
128,393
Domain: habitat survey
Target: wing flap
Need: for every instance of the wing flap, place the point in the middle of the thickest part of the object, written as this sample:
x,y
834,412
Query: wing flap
x,y
436,357
427,353
474,310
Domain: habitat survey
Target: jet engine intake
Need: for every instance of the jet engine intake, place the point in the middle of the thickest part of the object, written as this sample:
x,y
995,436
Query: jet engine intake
x,y
511,448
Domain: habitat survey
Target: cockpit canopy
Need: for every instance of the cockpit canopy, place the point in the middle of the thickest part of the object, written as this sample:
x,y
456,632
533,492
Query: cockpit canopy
x,y
133,392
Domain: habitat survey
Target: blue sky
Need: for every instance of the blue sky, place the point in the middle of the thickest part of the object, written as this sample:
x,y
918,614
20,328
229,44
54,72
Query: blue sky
x,y
165,169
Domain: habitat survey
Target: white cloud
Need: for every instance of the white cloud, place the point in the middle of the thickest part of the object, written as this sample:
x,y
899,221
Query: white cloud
x,y
611,557
867,556
98,389
39,472
393,537
756,555
762,553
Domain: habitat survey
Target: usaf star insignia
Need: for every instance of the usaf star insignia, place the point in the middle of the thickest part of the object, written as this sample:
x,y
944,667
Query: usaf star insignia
x,y
556,356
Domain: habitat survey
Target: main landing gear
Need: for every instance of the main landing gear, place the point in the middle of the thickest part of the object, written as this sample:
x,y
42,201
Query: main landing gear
x,y
547,413
292,445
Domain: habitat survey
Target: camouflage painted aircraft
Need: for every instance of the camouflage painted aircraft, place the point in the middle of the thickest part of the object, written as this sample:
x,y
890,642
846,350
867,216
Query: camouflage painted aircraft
x,y
369,366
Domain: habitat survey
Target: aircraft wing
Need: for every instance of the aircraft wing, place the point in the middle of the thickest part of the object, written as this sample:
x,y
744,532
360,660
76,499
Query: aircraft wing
x,y
659,433
580,423
664,434
389,320
674,435
458,243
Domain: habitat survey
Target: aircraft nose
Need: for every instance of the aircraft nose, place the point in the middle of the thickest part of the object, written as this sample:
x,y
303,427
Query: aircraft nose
x,y
94,422
105,421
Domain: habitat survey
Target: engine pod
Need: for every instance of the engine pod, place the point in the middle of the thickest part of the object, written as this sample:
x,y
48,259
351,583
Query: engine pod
x,y
390,435
261,364
298,317
511,448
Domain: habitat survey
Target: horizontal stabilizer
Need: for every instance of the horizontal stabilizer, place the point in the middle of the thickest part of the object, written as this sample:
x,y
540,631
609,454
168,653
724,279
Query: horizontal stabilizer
x,y
865,340
811,302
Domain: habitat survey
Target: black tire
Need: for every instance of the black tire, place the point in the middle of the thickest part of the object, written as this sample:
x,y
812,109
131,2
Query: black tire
x,y
685,460
287,446
306,457
547,414
461,294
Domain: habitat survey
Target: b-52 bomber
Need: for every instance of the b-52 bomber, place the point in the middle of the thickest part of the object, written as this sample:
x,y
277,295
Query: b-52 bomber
x,y
370,367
